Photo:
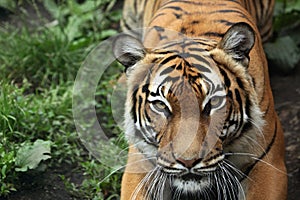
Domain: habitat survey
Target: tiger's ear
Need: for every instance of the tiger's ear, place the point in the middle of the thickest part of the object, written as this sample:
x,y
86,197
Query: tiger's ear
x,y
238,41
128,50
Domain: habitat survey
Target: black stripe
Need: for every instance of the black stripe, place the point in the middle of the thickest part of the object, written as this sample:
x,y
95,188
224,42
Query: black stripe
x,y
195,22
241,14
240,102
203,42
139,110
248,170
267,110
262,8
177,8
145,3
159,28
229,94
238,97
248,6
170,51
167,70
231,123
266,32
145,89
240,83
226,79
148,117
126,24
201,68
168,59
257,13
197,57
134,101
135,6
187,2
156,16
213,34
247,106
197,49
178,16
154,94
235,1
179,66
226,11
248,125
170,79
222,21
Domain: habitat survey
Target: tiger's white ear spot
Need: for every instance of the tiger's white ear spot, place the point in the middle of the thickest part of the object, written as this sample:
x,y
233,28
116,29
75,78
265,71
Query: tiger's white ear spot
x,y
238,41
128,50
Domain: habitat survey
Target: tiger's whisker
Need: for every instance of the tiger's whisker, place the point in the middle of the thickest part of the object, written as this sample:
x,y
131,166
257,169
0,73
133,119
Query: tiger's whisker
x,y
141,185
239,172
255,157
256,143
126,148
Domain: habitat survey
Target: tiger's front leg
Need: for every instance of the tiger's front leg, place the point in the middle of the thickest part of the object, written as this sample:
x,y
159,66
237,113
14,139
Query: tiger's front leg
x,y
133,181
268,178
130,183
267,183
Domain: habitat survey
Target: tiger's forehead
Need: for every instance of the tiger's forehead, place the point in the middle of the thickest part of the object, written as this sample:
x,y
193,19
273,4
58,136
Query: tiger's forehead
x,y
180,43
183,61
197,71
157,37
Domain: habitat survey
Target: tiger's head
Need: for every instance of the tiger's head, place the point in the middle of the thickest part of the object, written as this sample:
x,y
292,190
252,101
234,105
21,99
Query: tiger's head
x,y
190,102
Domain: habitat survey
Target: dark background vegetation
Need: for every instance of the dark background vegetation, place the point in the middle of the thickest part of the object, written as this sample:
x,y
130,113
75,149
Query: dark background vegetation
x,y
42,45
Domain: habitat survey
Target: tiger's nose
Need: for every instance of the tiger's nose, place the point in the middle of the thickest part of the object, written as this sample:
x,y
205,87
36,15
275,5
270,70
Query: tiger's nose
x,y
188,163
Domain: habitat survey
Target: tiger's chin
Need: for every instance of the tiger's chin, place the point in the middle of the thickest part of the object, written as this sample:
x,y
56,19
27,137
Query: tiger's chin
x,y
191,186
204,187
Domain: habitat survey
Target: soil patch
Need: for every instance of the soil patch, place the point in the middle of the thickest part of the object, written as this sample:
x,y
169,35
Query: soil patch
x,y
286,91
47,185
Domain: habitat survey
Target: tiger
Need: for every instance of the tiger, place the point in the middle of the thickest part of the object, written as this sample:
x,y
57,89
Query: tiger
x,y
199,112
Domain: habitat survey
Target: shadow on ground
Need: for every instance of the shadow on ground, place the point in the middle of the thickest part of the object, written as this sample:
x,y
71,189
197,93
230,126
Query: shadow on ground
x,y
286,91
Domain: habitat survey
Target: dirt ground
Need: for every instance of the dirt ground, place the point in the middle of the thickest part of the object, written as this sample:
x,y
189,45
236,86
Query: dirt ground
x,y
286,91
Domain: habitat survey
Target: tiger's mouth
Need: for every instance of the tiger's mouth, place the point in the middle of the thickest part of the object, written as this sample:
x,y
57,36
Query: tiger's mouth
x,y
190,183
191,177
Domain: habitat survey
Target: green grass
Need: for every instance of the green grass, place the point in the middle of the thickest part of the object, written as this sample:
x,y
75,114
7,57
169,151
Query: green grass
x,y
38,67
42,57
24,118
48,116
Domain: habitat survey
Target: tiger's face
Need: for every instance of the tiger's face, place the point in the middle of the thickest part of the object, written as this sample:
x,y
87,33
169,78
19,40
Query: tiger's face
x,y
187,100
183,114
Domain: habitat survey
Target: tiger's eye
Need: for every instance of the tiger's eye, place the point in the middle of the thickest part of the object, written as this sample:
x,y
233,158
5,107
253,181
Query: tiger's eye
x,y
215,101
159,106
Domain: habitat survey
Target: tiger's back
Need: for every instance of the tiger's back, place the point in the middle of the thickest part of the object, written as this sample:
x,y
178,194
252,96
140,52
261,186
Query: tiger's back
x,y
139,13
188,43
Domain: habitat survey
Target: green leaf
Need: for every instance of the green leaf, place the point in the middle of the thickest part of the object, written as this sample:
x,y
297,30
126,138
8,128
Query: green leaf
x,y
3,171
53,9
293,6
283,53
30,155
108,33
8,4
